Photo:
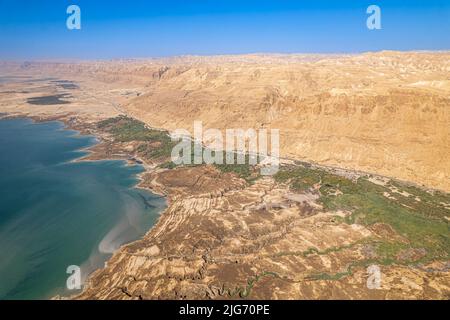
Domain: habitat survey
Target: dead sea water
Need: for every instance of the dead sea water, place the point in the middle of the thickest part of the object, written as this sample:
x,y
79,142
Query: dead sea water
x,y
55,212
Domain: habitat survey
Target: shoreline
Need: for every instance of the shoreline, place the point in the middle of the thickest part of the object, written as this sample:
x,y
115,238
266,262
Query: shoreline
x,y
283,160
227,232
85,158
169,222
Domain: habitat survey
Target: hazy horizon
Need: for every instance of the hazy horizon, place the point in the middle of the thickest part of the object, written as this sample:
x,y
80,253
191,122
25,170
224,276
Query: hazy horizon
x,y
172,28
337,54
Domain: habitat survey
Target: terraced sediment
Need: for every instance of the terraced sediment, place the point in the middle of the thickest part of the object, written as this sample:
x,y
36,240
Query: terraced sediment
x,y
305,233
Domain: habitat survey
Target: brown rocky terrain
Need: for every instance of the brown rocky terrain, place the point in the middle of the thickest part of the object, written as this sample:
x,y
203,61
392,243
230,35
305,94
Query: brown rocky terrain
x,y
309,232
384,112
221,238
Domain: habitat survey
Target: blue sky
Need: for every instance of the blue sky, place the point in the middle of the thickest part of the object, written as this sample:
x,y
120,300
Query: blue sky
x,y
136,28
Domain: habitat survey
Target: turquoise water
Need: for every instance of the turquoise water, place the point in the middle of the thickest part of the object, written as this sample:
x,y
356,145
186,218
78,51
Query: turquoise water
x,y
55,212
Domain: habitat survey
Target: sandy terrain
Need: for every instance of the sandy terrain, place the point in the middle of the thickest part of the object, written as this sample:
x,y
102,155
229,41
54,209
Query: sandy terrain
x,y
224,237
385,113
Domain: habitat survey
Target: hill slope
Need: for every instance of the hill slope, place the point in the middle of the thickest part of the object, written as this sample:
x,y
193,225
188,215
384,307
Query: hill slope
x,y
386,113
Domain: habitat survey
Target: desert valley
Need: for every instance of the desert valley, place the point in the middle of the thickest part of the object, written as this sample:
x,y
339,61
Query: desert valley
x,y
364,177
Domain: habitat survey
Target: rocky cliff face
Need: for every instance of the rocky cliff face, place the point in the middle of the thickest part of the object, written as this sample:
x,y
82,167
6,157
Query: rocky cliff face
x,y
385,112
307,233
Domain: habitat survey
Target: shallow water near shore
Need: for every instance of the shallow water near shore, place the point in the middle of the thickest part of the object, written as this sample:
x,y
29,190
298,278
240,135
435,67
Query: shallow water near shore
x,y
55,212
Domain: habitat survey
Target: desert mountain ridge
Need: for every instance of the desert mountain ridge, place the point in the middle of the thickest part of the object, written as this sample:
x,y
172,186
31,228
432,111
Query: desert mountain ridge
x,y
382,112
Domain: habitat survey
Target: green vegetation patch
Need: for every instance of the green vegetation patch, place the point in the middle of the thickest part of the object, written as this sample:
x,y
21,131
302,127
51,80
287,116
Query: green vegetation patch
x,y
155,144
422,223
245,171
127,129
300,178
